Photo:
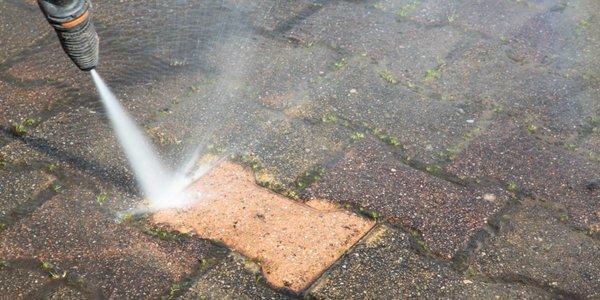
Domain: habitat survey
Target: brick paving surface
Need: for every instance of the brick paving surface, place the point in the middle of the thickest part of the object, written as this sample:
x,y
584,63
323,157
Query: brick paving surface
x,y
467,130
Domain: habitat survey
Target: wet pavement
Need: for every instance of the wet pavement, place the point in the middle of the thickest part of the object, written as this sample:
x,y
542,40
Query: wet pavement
x,y
468,131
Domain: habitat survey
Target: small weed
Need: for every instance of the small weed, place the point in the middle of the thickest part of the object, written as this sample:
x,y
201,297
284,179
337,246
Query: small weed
x,y
3,264
101,198
329,118
584,23
452,17
292,194
594,121
433,168
408,8
340,63
249,160
432,74
165,235
174,289
205,263
53,272
126,217
308,178
369,213
177,63
56,187
503,40
388,76
421,245
382,136
378,6
512,186
51,167
497,108
393,141
29,122
532,128
19,129
563,218
357,136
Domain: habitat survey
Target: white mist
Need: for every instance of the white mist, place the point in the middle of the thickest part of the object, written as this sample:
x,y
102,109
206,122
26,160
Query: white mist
x,y
160,185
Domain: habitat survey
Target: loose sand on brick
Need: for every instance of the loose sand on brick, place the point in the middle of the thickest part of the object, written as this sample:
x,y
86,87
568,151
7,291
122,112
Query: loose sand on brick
x,y
293,242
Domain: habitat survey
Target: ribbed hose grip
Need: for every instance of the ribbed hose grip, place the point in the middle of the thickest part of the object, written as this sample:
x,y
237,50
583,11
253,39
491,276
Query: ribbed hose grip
x,y
80,42
72,21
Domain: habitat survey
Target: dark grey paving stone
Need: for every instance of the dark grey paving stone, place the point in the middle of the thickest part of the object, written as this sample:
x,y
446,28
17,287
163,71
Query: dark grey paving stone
x,y
384,267
19,190
233,278
536,246
82,243
447,215
22,26
407,48
513,156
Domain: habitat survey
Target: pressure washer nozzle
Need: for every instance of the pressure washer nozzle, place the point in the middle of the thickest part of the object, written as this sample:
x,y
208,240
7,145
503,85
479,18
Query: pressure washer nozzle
x,y
72,21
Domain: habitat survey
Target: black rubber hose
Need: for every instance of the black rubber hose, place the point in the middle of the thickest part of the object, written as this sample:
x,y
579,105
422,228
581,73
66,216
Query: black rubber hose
x,y
72,21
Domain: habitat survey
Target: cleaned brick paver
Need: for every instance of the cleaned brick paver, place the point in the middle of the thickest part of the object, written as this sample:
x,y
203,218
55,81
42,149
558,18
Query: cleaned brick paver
x,y
294,243
468,130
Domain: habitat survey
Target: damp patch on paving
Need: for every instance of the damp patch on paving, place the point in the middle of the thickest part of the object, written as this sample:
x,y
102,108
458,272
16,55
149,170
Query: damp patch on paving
x,y
293,242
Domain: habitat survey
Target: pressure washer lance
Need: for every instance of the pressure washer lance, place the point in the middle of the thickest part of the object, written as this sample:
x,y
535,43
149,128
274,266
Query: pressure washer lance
x,y
72,21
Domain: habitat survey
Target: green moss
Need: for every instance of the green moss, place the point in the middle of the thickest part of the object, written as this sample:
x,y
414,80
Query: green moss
x,y
408,8
22,128
378,6
177,63
388,76
51,167
174,290
248,160
532,128
126,217
411,86
329,118
340,63
432,74
512,186
452,17
594,121
370,213
496,108
165,235
52,271
57,187
18,129
309,177
101,198
433,168
357,136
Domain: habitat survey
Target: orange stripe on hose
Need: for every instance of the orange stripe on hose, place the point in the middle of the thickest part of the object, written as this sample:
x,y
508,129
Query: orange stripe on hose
x,y
77,21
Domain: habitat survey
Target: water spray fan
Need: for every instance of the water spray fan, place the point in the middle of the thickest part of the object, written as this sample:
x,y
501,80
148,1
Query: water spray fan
x,y
72,21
